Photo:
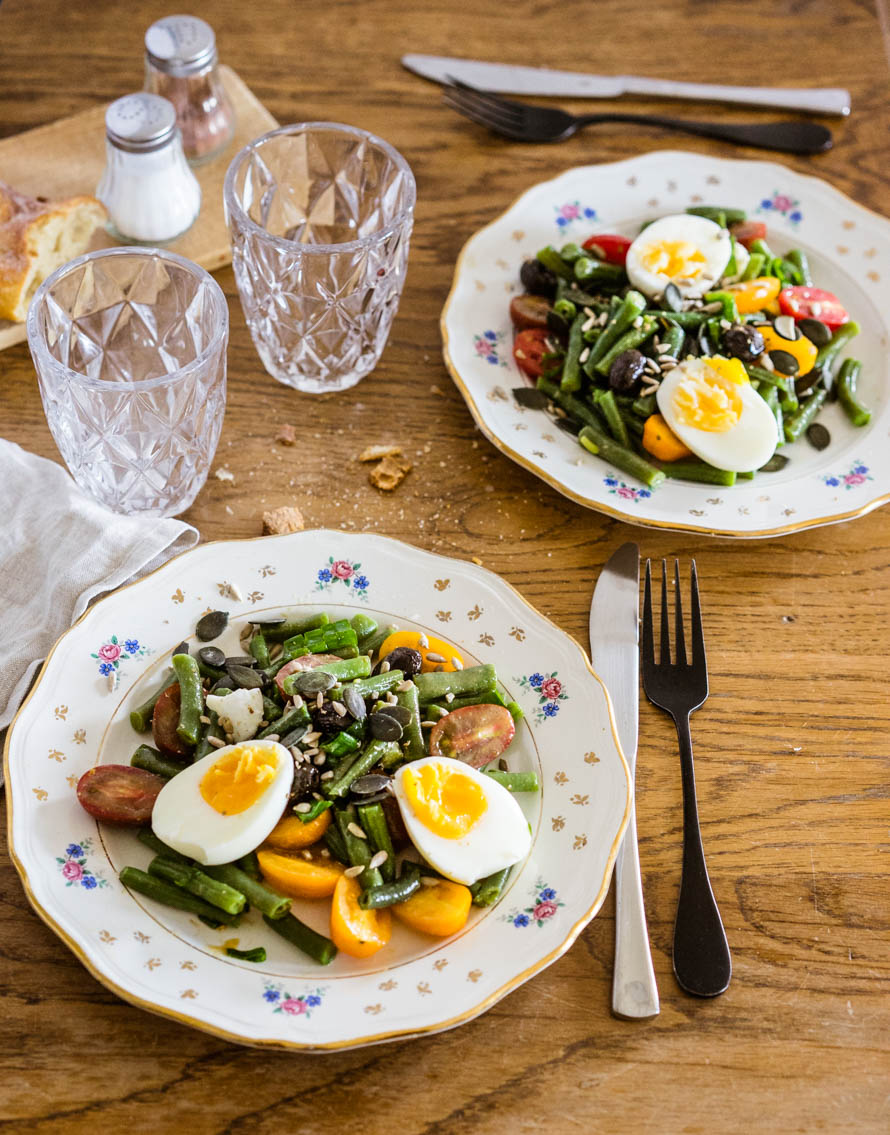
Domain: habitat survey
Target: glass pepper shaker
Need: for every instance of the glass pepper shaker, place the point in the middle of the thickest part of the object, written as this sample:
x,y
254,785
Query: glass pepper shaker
x,y
182,65
148,189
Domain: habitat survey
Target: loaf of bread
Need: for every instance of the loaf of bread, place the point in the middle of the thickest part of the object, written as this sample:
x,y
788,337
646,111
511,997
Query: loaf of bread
x,y
36,237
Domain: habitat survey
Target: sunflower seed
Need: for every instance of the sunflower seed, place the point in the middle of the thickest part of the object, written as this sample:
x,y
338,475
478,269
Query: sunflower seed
x,y
391,697
403,687
273,737
216,742
427,724
353,828
428,881
423,642
325,854
385,667
449,698
304,807
329,775
352,872
378,860
319,700
318,758
339,708
204,720
431,657
457,664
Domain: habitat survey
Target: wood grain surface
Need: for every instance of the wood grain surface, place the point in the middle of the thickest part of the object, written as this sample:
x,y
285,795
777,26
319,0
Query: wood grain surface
x,y
792,751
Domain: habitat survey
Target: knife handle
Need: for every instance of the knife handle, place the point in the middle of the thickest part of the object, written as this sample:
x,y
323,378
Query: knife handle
x,y
634,991
812,100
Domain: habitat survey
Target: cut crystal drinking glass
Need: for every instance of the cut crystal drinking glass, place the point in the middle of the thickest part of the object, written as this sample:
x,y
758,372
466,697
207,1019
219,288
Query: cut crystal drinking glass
x,y
320,217
130,350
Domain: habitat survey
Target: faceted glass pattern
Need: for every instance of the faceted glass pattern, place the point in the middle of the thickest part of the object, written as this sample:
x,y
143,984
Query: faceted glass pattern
x,y
130,351
320,217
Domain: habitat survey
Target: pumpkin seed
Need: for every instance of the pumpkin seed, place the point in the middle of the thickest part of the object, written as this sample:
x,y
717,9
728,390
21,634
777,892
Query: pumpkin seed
x,y
355,703
240,660
776,462
384,727
246,678
530,398
370,784
212,625
314,682
183,648
294,737
818,436
784,362
212,656
269,621
568,426
672,300
401,713
786,326
816,331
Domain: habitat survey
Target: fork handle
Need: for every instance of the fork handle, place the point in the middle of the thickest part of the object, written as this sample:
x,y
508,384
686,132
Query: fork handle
x,y
795,137
702,962
634,991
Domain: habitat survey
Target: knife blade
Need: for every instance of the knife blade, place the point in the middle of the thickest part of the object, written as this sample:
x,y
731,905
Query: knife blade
x,y
614,650
505,78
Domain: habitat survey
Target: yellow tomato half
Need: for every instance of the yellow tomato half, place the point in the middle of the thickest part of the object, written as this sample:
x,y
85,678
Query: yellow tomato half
x,y
298,876
441,910
443,653
358,933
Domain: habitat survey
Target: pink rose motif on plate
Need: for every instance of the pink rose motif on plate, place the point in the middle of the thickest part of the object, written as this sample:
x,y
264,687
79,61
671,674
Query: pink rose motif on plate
x,y
72,871
854,479
347,572
113,652
551,688
785,206
544,910
544,906
110,652
858,474
549,691
342,569
572,211
282,1001
294,1006
782,202
618,488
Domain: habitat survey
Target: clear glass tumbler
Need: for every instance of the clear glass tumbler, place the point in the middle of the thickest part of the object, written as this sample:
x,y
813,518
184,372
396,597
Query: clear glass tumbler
x,y
130,350
320,217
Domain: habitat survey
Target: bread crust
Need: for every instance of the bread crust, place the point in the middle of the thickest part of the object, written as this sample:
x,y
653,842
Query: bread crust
x,y
36,237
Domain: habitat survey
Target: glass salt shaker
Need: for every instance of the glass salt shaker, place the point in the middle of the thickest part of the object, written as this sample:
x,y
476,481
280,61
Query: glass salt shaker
x,y
148,189
182,65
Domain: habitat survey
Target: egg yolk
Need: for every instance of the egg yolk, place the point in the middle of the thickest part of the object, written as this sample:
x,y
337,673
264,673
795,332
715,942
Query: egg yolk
x,y
675,258
236,781
446,803
709,400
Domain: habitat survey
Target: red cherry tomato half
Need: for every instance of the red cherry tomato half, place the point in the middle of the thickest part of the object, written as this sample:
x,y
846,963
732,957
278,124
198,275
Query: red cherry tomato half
x,y
475,734
119,794
529,348
529,311
813,303
747,231
165,721
304,662
608,247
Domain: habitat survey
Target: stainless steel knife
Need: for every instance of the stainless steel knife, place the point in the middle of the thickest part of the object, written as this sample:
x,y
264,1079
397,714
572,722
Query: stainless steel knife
x,y
505,78
614,649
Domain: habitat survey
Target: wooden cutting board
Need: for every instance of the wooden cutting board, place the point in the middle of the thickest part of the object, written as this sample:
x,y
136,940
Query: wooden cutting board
x,y
67,157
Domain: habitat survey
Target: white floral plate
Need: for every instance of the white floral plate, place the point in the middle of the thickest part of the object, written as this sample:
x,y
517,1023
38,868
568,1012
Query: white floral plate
x,y
849,250
169,962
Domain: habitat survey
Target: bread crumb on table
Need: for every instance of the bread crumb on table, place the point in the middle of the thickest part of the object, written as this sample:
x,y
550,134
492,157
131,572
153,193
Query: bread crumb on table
x,y
378,452
224,475
286,435
389,473
287,518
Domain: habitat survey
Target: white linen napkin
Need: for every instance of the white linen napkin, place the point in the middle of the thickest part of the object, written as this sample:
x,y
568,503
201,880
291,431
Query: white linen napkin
x,y
59,550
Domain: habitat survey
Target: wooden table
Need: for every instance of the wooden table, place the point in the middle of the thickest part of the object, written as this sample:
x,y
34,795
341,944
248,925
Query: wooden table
x,y
792,751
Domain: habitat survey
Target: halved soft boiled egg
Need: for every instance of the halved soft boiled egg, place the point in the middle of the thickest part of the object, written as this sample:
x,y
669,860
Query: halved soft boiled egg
x,y
712,407
462,822
690,252
225,805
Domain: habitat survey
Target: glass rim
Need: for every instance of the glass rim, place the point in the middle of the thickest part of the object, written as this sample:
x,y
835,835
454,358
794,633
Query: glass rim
x,y
233,205
42,355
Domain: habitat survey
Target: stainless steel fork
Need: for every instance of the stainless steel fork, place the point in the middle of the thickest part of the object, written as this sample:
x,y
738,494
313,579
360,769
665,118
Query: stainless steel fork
x,y
702,962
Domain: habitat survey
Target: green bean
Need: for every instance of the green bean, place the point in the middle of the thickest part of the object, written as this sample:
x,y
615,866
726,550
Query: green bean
x,y
358,850
341,745
799,259
375,641
515,781
571,252
315,945
770,377
754,267
272,711
574,407
672,339
213,673
390,893
148,837
688,320
571,371
294,627
746,476
721,215
624,459
151,760
169,895
191,702
257,954
565,309
727,302
770,397
334,843
375,752
690,470
551,259
635,337
346,668
372,687
474,680
259,649
412,735
839,339
492,698
645,407
847,378
140,717
487,891
250,865
372,820
299,715
363,625
761,248
590,270
798,423
622,318
194,881
604,400
789,400
257,894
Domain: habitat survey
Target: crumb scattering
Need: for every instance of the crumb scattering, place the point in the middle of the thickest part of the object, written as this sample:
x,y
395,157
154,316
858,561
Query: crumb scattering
x,y
225,475
286,435
378,452
287,518
389,473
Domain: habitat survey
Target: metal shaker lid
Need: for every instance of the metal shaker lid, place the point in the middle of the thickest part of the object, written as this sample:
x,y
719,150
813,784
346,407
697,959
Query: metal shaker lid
x,y
140,122
180,45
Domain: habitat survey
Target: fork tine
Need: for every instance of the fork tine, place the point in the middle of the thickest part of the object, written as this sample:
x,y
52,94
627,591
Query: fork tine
x,y
479,117
665,630
467,104
516,110
698,638
648,648
680,646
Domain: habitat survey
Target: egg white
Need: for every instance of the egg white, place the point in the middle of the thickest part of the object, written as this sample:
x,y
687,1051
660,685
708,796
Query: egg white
x,y
498,839
240,712
183,819
746,446
707,237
